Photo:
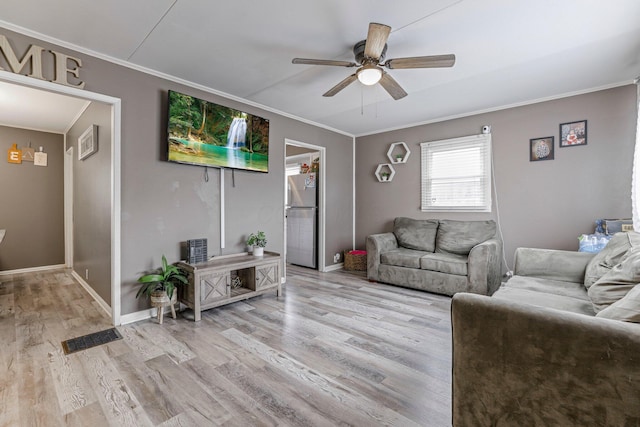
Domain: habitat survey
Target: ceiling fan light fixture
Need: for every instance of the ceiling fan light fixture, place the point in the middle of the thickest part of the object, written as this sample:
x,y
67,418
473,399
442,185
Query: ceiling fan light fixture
x,y
370,55
369,75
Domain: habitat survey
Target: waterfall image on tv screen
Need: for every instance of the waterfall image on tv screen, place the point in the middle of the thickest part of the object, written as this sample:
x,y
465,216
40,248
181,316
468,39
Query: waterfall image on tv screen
x,y
206,134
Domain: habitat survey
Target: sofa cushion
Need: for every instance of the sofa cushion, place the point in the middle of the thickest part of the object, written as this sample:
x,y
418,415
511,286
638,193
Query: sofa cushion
x,y
626,309
549,286
418,234
445,263
402,257
459,237
615,284
543,299
608,257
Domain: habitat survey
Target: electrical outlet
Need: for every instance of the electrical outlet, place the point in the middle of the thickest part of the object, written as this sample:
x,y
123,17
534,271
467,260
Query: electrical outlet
x,y
86,274
336,257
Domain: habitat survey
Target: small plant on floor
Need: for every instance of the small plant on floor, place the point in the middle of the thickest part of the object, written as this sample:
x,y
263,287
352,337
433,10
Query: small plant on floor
x,y
166,278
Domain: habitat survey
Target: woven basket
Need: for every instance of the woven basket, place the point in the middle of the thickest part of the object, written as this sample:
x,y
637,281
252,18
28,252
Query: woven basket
x,y
355,261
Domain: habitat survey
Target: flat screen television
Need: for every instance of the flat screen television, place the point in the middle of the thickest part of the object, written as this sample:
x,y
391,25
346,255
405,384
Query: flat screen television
x,y
206,134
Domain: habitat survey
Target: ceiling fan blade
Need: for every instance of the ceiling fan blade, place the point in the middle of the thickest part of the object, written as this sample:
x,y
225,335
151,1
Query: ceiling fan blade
x,y
323,62
376,40
392,86
337,88
434,61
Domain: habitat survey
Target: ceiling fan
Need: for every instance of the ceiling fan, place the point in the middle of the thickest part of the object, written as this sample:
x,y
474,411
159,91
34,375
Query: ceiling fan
x,y
370,55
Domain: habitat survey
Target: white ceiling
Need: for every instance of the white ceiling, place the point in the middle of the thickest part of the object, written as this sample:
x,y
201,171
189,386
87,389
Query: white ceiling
x,y
28,108
509,52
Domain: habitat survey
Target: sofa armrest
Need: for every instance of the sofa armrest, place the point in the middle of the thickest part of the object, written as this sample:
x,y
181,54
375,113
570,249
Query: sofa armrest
x,y
566,266
516,364
377,244
485,267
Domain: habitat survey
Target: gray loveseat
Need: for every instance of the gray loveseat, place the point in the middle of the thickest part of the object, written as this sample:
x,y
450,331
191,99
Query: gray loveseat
x,y
440,256
556,345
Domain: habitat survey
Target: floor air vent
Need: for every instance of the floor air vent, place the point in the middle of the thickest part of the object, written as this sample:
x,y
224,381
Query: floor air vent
x,y
92,340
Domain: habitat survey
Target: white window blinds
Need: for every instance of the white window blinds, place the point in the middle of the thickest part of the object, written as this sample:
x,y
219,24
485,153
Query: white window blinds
x,y
456,174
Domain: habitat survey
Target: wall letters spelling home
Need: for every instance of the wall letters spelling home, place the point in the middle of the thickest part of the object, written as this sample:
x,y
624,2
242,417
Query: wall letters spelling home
x,y
63,65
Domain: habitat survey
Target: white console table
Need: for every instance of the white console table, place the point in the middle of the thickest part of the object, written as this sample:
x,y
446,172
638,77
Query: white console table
x,y
210,284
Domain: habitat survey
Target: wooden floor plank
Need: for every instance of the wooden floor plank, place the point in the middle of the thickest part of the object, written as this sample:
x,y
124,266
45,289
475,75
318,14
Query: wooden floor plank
x,y
37,396
119,405
198,398
150,389
245,409
90,415
308,376
72,388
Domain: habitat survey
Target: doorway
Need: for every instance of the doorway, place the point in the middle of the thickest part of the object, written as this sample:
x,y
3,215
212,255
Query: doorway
x,y
112,306
299,155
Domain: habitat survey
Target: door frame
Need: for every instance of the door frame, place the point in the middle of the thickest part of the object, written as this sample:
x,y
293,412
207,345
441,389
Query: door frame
x,y
322,182
115,184
68,205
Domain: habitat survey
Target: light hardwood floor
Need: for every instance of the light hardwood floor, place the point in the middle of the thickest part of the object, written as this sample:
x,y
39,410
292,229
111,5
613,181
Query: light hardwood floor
x,y
334,350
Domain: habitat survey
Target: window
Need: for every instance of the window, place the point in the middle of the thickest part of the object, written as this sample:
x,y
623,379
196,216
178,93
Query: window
x,y
456,174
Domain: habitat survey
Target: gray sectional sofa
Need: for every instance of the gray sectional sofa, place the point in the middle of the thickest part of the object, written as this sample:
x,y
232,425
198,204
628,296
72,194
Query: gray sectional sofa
x,y
440,256
556,345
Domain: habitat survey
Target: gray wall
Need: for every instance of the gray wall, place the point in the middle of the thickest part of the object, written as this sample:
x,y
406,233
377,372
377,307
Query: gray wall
x,y
31,202
545,204
91,202
164,204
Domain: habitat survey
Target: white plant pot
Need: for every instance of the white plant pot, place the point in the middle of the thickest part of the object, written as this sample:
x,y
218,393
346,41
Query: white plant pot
x,y
258,251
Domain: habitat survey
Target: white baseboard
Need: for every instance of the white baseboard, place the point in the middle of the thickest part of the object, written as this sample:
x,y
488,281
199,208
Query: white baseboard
x,y
32,269
138,316
91,292
334,267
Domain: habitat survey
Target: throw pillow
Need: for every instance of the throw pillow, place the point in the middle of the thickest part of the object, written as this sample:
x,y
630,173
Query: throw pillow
x,y
615,284
611,255
459,237
418,234
627,309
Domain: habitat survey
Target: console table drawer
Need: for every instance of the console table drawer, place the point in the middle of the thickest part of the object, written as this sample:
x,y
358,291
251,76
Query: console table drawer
x,y
214,286
267,275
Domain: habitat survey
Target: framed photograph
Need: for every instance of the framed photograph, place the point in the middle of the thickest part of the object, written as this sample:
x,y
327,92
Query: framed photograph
x,y
88,142
573,134
541,149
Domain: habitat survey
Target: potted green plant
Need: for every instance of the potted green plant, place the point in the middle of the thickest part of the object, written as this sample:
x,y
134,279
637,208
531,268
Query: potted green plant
x,y
385,176
258,241
160,286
